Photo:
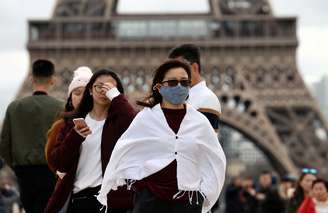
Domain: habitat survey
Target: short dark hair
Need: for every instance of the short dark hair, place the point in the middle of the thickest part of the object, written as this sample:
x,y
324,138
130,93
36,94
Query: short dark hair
x,y
266,172
319,180
43,68
189,52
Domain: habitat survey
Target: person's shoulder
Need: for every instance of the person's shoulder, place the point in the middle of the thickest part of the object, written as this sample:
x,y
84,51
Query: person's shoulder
x,y
145,111
145,114
60,123
197,114
203,93
19,101
56,127
209,94
202,121
207,99
54,101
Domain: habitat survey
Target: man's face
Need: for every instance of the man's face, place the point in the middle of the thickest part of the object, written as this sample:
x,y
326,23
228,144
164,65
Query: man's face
x,y
320,192
265,180
287,185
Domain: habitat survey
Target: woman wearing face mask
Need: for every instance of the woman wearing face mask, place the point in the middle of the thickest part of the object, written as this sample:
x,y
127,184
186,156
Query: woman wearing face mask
x,y
76,88
170,154
302,191
84,150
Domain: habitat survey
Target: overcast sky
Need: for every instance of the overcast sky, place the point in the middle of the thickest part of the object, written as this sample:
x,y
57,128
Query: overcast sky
x,y
312,33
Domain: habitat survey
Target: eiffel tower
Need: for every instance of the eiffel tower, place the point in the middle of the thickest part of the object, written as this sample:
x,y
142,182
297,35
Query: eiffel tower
x,y
249,61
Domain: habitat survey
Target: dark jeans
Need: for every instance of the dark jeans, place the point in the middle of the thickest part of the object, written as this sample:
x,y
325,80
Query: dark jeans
x,y
146,202
86,201
36,183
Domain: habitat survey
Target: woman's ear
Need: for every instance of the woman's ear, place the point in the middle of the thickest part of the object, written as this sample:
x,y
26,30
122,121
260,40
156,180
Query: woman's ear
x,y
90,92
157,87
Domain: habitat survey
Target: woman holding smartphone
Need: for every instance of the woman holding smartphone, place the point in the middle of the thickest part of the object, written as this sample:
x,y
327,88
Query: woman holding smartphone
x,y
85,148
76,89
170,155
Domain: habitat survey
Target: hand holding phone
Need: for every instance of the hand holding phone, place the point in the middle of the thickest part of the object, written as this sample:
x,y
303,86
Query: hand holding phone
x,y
81,127
79,123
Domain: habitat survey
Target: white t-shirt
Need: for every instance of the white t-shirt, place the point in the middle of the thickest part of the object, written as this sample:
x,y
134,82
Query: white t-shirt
x,y
89,172
321,207
204,99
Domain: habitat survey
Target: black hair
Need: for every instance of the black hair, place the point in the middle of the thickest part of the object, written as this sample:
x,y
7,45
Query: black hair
x,y
299,193
86,103
69,104
189,52
155,97
265,172
43,68
319,180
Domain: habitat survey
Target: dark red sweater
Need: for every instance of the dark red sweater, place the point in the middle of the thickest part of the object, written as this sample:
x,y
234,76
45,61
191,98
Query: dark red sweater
x,y
163,184
65,155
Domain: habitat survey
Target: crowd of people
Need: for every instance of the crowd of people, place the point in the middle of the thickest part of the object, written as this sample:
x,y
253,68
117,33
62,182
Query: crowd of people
x,y
268,194
96,152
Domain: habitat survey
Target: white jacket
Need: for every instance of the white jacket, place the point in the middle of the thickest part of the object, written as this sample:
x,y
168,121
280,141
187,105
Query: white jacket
x,y
149,145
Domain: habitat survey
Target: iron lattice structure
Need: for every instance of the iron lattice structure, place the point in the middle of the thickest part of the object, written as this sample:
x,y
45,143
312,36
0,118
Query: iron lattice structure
x,y
249,61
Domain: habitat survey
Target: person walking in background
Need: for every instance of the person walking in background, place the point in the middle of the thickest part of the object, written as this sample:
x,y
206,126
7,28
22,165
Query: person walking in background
x,y
23,138
317,202
83,149
9,195
233,196
76,89
248,196
267,195
302,191
285,187
320,195
200,96
170,155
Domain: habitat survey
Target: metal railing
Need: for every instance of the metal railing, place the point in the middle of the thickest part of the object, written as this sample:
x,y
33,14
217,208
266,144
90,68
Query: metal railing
x,y
162,29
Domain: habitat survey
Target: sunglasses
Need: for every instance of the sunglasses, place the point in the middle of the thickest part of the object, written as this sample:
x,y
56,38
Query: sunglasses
x,y
309,171
173,83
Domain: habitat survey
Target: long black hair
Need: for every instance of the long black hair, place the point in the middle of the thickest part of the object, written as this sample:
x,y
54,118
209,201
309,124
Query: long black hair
x,y
154,96
86,103
298,196
69,104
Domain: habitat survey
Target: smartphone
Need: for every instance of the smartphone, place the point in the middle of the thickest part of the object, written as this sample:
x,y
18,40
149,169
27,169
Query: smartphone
x,y
79,123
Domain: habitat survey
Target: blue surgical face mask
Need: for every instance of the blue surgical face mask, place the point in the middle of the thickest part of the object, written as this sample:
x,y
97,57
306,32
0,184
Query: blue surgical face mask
x,y
175,95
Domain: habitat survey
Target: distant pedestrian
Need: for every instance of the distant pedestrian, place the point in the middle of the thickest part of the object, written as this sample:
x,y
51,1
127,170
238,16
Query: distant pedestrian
x,y
318,201
267,195
302,191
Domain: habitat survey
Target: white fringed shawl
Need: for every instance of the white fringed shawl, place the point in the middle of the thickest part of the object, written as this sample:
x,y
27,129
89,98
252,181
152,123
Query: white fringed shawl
x,y
149,145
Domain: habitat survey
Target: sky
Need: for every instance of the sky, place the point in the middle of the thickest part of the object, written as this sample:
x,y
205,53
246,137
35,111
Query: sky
x,y
14,63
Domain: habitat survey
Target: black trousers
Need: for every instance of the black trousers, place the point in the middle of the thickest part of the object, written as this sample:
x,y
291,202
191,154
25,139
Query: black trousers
x,y
86,201
36,183
146,202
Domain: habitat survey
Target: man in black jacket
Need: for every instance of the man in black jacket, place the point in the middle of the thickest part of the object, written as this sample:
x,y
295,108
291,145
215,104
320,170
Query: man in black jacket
x,y
267,195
